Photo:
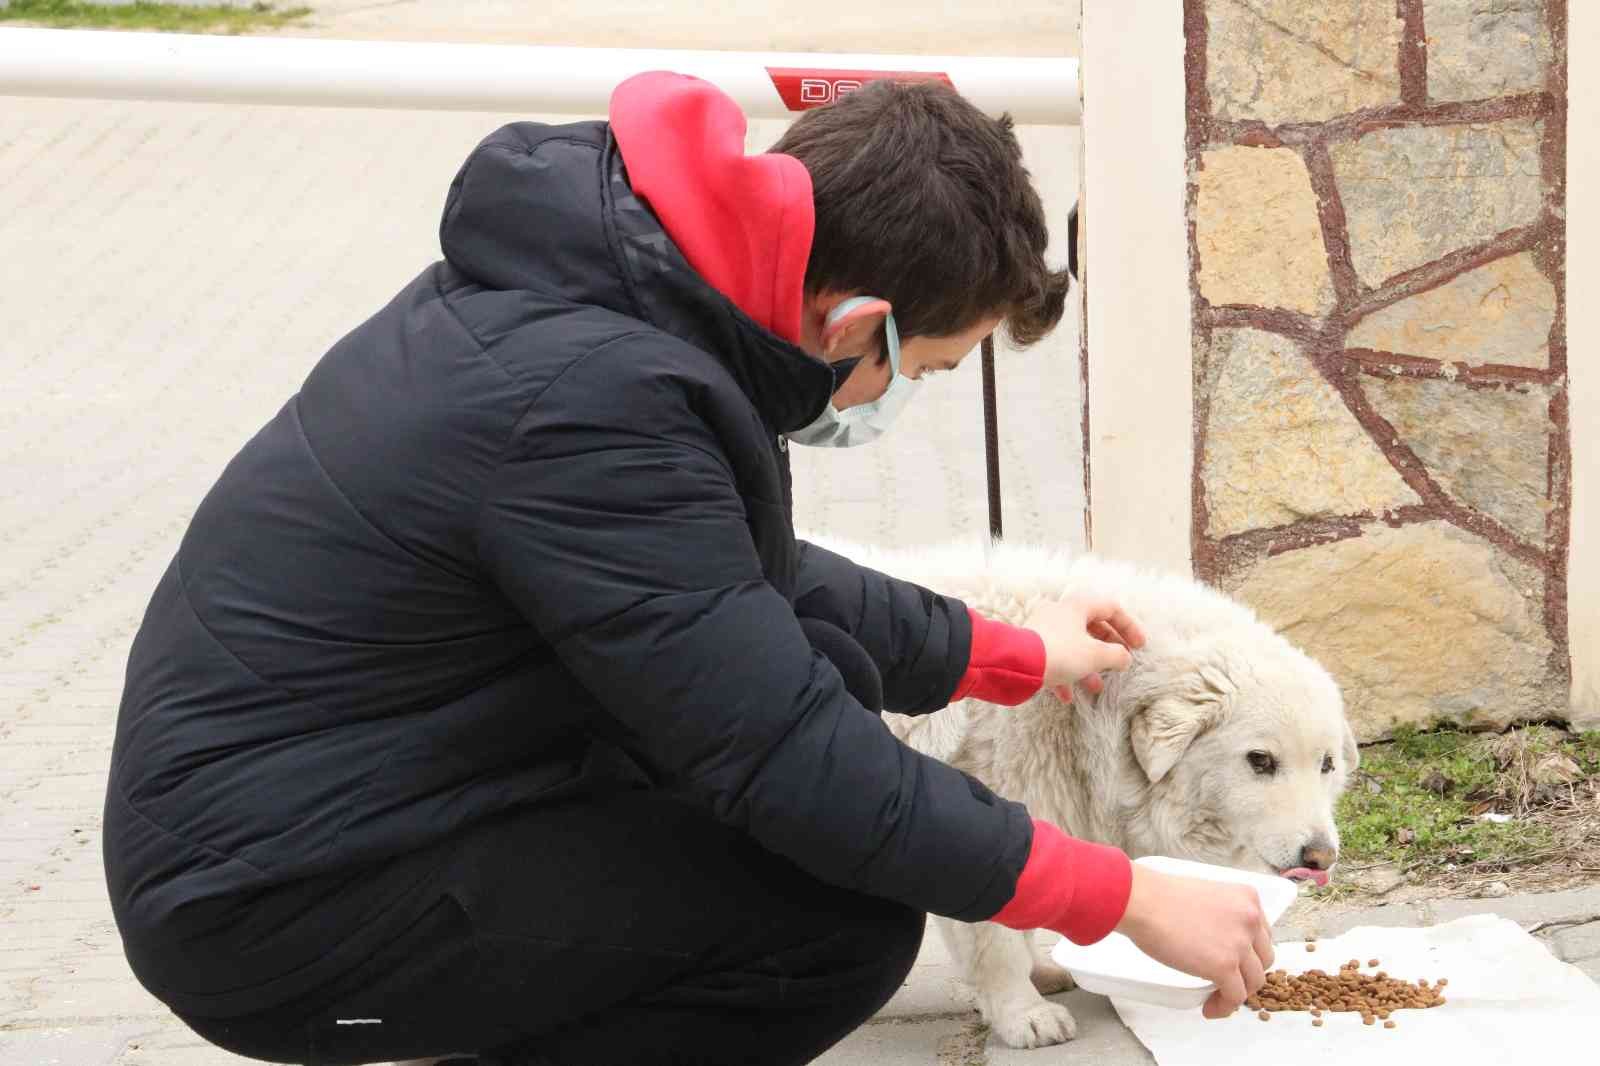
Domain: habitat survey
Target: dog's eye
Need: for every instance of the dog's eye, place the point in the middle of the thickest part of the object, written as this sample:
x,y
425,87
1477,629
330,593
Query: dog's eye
x,y
1327,764
1263,763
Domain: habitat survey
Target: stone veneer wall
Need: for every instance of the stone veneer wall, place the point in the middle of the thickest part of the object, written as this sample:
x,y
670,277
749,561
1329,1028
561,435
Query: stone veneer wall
x,y
1377,256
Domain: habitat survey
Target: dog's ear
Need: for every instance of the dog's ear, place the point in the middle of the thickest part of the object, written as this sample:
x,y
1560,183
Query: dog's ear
x,y
1169,719
1352,751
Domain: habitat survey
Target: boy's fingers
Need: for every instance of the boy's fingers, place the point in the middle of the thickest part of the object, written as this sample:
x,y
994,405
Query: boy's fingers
x,y
1111,656
1231,992
1222,1003
1131,632
1092,684
1111,613
1103,631
1263,945
1253,972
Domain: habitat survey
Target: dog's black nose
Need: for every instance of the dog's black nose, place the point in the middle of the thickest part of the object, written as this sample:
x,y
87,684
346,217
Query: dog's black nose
x,y
1319,855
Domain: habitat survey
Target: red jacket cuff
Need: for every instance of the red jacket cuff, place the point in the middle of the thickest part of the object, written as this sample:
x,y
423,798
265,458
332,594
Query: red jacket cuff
x,y
1006,665
1076,888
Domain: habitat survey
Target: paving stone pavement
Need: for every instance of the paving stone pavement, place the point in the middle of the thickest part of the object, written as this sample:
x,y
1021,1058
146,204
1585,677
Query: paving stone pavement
x,y
904,27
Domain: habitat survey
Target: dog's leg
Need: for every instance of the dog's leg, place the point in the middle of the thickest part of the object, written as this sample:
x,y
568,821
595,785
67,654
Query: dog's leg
x,y
1002,963
1046,976
958,938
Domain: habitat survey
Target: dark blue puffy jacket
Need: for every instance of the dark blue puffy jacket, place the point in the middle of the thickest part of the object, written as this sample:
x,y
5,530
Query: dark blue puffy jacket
x,y
530,518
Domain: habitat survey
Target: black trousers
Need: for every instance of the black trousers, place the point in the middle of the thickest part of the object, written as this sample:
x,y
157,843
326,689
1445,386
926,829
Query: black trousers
x,y
619,928
623,929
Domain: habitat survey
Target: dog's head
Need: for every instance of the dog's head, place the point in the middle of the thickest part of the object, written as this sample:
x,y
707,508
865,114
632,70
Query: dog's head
x,y
1243,748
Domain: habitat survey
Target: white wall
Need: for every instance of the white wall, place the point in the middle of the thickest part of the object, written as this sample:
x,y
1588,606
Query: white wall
x,y
1136,259
1583,355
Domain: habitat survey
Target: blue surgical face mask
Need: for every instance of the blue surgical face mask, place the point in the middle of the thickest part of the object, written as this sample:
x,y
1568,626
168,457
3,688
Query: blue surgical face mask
x,y
868,421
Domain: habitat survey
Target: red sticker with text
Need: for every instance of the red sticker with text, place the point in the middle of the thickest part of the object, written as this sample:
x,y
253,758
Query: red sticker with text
x,y
803,88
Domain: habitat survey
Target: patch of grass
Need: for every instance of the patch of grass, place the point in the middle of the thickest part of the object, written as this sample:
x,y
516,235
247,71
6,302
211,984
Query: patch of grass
x,y
1417,800
170,18
1586,749
1336,891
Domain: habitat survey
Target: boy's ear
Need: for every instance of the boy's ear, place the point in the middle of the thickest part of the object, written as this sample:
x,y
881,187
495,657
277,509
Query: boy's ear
x,y
853,333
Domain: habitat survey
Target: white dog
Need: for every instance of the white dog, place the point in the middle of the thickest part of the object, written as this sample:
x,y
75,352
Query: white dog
x,y
1221,743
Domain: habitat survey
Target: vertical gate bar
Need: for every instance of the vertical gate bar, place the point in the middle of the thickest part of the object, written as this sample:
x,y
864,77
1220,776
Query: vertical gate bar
x,y
991,438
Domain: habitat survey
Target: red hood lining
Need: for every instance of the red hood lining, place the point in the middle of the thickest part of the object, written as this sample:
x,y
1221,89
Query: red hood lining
x,y
744,223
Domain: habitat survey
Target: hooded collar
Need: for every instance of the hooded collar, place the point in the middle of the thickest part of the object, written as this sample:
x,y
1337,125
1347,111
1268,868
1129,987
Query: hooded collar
x,y
744,223
715,255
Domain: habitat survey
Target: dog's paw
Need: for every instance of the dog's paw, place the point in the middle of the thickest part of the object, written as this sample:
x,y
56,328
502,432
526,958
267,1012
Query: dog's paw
x,y
1049,979
1038,1025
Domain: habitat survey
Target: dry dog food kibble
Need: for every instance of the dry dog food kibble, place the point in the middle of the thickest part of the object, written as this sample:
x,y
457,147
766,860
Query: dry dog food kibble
x,y
1373,996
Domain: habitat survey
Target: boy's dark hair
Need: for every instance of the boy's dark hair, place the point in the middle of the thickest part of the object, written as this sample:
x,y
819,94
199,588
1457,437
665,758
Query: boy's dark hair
x,y
923,200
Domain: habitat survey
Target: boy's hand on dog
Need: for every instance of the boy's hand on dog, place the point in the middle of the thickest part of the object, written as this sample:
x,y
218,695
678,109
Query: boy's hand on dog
x,y
1083,636
1205,928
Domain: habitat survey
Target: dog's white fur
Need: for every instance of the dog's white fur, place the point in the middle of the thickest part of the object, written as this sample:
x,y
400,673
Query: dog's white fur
x,y
1157,764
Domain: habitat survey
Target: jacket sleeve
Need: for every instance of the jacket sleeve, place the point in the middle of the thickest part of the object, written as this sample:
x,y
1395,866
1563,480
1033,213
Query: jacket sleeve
x,y
614,524
930,649
919,639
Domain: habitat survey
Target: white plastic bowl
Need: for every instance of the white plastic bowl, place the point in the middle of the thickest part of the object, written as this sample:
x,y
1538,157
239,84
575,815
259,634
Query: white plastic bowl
x,y
1115,967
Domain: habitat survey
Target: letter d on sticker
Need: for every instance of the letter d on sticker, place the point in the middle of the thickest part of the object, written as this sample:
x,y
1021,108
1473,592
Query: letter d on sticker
x,y
802,88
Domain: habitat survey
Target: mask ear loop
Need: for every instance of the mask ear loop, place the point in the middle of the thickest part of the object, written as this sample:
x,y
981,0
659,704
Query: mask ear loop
x,y
891,340
845,306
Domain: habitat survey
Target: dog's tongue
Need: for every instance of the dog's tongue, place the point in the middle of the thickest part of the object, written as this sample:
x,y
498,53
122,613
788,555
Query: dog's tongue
x,y
1300,873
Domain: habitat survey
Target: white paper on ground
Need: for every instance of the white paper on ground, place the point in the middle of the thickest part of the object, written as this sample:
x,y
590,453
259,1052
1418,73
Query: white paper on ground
x,y
1508,1000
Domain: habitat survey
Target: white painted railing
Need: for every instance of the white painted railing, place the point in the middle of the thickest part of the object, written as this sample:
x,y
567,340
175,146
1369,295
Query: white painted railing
x,y
481,77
